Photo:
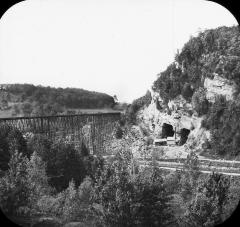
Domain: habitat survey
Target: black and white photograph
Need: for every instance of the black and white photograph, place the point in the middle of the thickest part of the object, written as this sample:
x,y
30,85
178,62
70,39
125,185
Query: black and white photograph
x,y
119,113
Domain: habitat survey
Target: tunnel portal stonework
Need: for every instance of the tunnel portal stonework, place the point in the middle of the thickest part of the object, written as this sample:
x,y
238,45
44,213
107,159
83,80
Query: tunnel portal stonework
x,y
92,129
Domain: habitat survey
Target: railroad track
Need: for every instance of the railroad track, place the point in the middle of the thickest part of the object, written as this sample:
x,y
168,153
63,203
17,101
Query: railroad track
x,y
205,166
225,167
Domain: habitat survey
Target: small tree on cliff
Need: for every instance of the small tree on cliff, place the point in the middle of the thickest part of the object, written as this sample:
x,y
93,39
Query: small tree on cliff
x,y
199,101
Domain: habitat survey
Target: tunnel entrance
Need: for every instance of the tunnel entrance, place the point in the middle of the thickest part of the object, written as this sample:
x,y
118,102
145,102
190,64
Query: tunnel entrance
x,y
167,130
183,136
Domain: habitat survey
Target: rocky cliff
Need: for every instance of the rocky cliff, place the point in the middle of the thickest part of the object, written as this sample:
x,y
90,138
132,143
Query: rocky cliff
x,y
180,114
185,93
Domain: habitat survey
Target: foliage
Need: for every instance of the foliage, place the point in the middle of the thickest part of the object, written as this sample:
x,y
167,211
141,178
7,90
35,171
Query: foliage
x,y
63,161
14,187
199,101
189,176
213,51
72,204
223,122
136,105
24,183
37,182
206,207
127,201
187,91
11,140
27,109
93,166
39,100
64,164
168,83
119,133
16,110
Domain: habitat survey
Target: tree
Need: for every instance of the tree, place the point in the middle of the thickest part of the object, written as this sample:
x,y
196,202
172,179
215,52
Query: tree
x,y
187,91
200,102
189,176
4,104
27,109
11,140
37,182
14,187
206,207
63,161
129,201
16,110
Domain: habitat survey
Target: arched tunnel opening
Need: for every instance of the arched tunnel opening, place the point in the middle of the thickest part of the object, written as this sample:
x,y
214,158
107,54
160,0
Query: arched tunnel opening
x,y
167,130
183,136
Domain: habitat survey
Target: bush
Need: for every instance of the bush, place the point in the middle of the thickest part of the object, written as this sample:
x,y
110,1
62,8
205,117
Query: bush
x,y
206,207
14,191
63,162
222,121
189,176
11,140
119,133
129,202
199,101
136,105
37,182
187,91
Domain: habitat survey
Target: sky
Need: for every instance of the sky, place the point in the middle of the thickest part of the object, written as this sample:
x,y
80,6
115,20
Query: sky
x,y
113,46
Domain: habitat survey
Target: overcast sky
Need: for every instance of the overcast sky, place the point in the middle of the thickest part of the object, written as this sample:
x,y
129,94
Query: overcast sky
x,y
112,46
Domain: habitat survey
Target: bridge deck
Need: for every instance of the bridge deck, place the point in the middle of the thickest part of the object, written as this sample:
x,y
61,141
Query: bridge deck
x,y
92,128
66,115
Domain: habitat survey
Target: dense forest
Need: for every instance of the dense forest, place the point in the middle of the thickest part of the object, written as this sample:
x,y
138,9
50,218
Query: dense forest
x,y
51,183
30,100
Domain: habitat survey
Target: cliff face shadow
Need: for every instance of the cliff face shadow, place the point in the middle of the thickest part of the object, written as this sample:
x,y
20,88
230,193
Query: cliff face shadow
x,y
167,130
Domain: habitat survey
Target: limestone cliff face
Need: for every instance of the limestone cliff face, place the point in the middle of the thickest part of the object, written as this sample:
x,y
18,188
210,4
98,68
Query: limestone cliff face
x,y
179,113
219,85
176,115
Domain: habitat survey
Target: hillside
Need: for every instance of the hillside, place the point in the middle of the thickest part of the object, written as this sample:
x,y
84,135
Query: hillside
x,y
30,100
198,95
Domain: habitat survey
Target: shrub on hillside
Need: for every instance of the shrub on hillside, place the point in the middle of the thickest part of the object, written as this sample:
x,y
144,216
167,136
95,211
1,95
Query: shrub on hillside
x,y
207,205
119,133
11,140
63,161
136,105
187,91
129,202
223,122
14,191
199,101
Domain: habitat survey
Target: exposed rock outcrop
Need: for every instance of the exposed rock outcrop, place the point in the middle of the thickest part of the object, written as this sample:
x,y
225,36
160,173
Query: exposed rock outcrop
x,y
218,86
177,116
180,114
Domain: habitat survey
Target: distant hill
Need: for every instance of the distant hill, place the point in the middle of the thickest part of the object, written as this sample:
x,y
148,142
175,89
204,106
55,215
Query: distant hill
x,y
31,100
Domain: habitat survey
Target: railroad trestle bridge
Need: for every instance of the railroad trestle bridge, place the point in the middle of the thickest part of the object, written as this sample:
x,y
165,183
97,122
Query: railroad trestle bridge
x,y
92,129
